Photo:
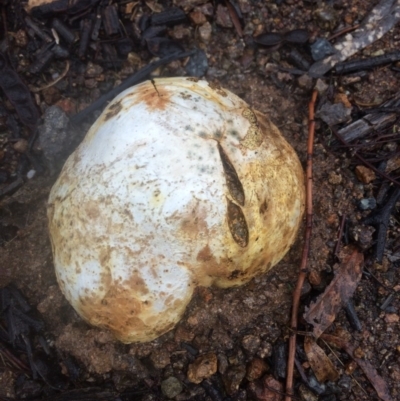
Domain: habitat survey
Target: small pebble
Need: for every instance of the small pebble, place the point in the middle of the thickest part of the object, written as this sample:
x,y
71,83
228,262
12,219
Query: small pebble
x,y
345,382
367,204
198,64
160,358
203,367
255,369
350,367
321,48
342,98
171,387
91,83
305,82
321,86
365,174
334,179
207,9
358,353
326,17
93,70
306,394
391,318
197,17
30,174
21,38
333,114
233,377
205,32
21,146
363,236
222,363
314,278
251,343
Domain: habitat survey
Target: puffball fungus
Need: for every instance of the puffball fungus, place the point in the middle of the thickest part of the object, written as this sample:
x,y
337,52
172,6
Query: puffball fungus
x,y
179,183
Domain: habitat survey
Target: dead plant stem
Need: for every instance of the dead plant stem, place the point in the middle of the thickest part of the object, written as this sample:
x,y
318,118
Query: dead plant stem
x,y
306,249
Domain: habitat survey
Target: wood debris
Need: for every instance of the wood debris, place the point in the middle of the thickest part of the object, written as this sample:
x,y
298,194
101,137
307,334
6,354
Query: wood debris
x,y
321,365
375,379
322,313
383,17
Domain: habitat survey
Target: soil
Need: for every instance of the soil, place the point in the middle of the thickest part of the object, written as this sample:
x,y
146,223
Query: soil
x,y
238,327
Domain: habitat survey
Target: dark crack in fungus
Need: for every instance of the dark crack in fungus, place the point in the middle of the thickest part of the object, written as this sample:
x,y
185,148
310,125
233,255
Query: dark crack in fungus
x,y
232,180
237,224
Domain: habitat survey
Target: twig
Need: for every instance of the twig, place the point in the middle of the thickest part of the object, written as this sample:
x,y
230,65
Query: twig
x,y
339,241
368,273
132,80
12,359
234,18
340,361
11,188
366,64
343,31
362,160
381,220
388,301
370,372
306,249
352,316
63,74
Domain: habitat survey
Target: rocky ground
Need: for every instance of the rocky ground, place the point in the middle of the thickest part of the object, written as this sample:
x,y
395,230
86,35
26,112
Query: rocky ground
x,y
229,344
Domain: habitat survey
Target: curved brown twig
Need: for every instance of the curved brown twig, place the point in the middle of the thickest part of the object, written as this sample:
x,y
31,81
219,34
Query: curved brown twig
x,y
306,249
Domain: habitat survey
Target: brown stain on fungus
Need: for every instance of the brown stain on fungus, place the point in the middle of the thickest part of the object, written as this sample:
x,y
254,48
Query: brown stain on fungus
x,y
210,267
117,311
92,210
205,255
113,110
193,224
137,284
155,97
263,207
216,86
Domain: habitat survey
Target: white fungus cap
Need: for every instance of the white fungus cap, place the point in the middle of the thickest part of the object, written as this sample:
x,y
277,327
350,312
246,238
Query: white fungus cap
x,y
179,183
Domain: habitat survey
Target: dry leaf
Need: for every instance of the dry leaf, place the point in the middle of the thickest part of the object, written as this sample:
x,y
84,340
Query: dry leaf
x,y
377,381
321,365
323,311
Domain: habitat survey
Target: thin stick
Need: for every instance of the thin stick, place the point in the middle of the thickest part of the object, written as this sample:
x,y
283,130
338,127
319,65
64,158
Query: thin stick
x,y
306,249
234,18
339,240
49,85
343,31
367,163
134,79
